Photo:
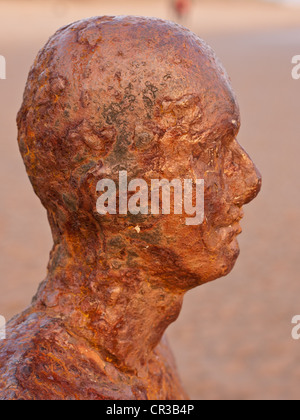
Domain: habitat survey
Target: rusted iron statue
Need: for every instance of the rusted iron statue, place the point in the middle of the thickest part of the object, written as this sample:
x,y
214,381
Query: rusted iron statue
x,y
104,95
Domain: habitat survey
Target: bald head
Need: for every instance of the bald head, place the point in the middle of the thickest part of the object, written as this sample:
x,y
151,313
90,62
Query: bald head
x,y
113,93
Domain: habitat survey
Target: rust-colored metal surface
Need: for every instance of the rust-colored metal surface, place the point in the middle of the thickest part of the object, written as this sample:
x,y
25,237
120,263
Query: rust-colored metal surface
x,y
104,95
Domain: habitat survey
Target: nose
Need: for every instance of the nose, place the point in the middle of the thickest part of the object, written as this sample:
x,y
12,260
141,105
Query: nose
x,y
246,179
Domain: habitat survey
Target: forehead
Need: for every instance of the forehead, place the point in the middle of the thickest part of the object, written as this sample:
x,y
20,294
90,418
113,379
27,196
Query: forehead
x,y
221,120
220,110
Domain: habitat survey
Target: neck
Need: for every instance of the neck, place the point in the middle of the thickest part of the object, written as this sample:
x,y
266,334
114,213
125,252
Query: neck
x,y
122,313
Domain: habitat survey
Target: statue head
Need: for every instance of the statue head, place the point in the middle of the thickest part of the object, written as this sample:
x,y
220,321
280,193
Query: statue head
x,y
148,97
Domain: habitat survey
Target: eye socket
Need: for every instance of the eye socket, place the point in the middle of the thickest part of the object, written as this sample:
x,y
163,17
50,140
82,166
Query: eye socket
x,y
213,189
207,154
231,164
228,138
230,131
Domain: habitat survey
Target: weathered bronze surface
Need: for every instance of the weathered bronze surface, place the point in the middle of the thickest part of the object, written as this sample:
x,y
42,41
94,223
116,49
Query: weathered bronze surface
x,y
147,96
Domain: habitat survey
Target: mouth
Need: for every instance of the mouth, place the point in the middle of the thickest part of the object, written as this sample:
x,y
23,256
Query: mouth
x,y
229,233
235,229
226,233
232,229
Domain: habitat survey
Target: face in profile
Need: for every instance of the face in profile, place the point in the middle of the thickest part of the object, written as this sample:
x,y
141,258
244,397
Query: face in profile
x,y
207,148
210,250
151,98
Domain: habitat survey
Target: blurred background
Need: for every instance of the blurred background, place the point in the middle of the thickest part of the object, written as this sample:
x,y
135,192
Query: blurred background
x,y
233,338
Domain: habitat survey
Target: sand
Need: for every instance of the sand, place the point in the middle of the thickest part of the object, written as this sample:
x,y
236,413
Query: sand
x,y
233,338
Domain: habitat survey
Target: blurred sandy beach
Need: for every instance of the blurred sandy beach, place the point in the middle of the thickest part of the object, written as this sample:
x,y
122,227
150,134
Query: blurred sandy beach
x,y
233,338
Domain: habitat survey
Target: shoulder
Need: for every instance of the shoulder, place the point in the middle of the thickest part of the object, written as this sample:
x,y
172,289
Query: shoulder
x,y
42,360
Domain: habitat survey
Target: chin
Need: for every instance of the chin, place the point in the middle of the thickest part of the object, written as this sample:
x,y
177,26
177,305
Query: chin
x,y
222,264
230,256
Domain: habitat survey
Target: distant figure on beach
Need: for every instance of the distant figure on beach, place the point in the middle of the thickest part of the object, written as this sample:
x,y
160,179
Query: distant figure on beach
x,y
182,8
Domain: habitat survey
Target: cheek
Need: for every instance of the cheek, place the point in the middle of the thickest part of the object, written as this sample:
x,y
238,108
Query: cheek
x,y
213,166
202,252
215,203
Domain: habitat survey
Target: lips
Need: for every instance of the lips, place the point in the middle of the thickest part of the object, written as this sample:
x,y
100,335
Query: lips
x,y
236,228
232,229
231,223
228,233
225,233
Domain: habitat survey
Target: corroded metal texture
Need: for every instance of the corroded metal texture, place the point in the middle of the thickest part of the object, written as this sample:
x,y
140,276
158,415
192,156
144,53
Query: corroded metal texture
x,y
104,95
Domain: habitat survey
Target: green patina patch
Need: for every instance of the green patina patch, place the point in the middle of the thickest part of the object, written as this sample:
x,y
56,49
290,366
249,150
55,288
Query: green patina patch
x,y
85,168
131,257
116,242
71,202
